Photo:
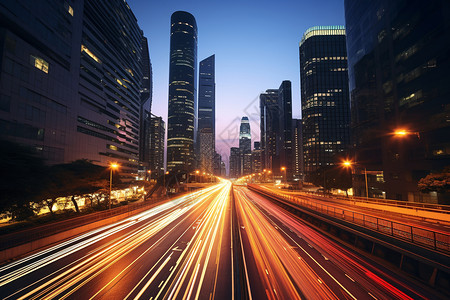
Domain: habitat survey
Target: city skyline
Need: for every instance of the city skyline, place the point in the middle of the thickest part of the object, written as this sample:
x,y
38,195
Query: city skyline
x,y
242,52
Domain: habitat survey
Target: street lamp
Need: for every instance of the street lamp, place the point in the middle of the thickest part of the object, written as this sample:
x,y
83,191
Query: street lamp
x,y
149,175
284,170
403,132
164,178
112,167
349,164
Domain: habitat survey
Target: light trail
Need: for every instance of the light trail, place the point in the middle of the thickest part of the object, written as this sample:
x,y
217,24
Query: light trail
x,y
121,239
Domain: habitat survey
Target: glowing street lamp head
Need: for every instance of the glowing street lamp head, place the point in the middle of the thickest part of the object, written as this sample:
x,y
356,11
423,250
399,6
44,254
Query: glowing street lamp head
x,y
283,168
114,166
196,172
400,132
167,172
347,163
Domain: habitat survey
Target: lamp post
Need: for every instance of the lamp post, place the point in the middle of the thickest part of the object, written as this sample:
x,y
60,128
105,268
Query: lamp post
x,y
403,133
349,164
284,170
112,167
149,172
164,178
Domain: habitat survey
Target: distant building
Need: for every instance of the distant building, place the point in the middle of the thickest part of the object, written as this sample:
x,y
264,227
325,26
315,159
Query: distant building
x,y
324,96
269,127
217,164
182,92
223,170
235,162
276,130
206,150
245,146
297,145
69,88
156,151
206,111
145,107
399,79
256,145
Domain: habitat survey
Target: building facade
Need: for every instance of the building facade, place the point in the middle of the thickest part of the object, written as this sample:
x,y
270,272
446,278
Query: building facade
x,y
70,89
182,93
245,147
297,145
398,76
276,130
156,142
145,107
324,97
206,114
235,162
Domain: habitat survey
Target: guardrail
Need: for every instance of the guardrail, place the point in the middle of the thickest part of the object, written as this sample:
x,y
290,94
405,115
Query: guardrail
x,y
27,235
445,209
432,239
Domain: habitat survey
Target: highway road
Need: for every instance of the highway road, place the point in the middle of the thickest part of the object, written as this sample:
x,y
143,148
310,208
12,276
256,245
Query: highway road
x,y
286,259
178,250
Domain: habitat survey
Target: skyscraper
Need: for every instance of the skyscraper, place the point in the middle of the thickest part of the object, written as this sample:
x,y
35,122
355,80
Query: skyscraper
x,y
276,129
398,69
206,114
324,96
182,92
156,151
285,138
297,145
269,126
69,88
235,162
245,146
145,107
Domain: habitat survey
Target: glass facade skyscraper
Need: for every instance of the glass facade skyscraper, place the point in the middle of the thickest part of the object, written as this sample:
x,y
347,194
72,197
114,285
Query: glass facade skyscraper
x,y
398,58
182,92
206,114
245,146
69,88
276,129
324,96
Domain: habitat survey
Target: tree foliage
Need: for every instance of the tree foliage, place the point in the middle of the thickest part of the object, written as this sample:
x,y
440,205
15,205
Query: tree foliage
x,y
332,177
436,182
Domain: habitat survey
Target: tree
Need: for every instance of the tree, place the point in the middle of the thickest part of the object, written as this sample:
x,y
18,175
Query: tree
x,y
436,182
332,177
73,179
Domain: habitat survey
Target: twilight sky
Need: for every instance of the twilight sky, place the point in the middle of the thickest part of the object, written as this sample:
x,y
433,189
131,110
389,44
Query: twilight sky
x,y
256,48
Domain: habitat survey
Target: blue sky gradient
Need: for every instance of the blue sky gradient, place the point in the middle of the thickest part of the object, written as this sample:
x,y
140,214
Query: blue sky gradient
x,y
256,47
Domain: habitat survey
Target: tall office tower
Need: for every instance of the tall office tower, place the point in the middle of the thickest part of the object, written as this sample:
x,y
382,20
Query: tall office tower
x,y
276,129
398,69
223,169
297,145
324,96
235,162
285,128
269,126
145,107
245,146
69,88
182,92
206,114
156,153
217,162
256,158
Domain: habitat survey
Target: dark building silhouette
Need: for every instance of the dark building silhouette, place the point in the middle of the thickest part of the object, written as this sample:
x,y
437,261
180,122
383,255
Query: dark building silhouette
x,y
269,128
156,145
235,162
297,147
324,96
145,108
276,130
398,57
285,138
206,114
182,92
69,88
256,158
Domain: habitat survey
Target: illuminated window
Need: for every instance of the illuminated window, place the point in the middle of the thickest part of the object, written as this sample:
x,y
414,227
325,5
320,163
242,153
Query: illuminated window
x,y
39,63
70,10
88,52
